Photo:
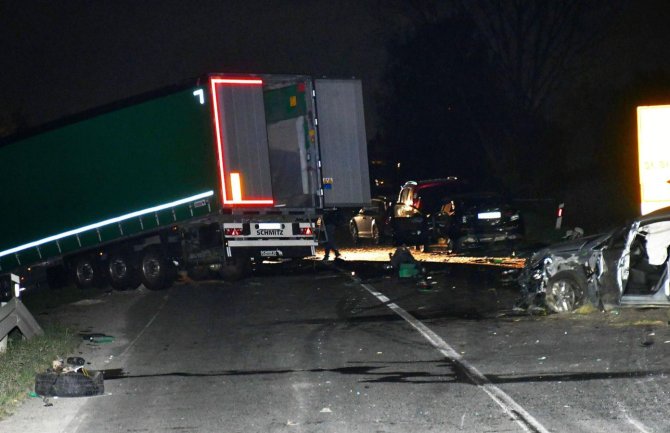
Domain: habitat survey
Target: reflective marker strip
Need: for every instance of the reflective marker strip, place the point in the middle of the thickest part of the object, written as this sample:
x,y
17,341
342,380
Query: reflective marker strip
x,y
106,222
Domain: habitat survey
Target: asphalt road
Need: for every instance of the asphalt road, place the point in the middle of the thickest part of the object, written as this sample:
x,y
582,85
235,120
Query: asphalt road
x,y
315,349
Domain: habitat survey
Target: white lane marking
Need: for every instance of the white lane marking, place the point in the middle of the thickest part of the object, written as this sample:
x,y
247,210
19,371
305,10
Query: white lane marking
x,y
132,343
632,421
524,419
637,424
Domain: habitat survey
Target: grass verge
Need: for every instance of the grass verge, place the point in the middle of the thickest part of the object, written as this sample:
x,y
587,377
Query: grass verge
x,y
24,358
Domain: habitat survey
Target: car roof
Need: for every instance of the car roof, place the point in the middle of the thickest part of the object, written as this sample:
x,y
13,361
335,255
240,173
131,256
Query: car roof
x,y
427,183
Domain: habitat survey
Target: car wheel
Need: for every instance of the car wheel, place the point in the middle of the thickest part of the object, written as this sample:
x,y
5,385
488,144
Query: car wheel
x,y
121,273
86,272
565,291
157,271
354,234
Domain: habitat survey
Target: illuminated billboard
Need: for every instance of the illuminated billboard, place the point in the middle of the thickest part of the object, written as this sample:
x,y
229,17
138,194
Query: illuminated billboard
x,y
653,131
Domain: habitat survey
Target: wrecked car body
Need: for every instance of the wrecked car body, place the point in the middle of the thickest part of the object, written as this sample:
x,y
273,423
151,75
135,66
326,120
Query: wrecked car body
x,y
626,266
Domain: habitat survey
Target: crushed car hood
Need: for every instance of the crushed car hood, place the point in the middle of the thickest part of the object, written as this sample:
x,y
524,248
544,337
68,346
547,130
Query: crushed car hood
x,y
573,246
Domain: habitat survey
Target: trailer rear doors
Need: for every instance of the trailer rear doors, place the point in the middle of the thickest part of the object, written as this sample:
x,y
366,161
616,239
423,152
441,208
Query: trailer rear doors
x,y
341,125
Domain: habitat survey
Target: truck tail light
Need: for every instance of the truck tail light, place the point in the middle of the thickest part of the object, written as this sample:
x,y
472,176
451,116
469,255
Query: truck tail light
x,y
233,232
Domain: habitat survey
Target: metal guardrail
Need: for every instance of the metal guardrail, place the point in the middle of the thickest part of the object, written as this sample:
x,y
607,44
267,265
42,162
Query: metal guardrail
x,y
14,314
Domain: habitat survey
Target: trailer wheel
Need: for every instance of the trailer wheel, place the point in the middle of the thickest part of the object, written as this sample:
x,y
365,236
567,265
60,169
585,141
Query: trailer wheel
x,y
121,273
157,272
86,272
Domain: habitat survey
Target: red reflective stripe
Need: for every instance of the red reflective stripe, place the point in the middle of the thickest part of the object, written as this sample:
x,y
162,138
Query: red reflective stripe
x,y
214,81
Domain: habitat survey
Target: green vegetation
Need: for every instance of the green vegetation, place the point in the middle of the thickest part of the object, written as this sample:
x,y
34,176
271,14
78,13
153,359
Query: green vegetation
x,y
24,358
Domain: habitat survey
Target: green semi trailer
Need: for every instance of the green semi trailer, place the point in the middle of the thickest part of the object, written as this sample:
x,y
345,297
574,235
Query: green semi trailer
x,y
206,175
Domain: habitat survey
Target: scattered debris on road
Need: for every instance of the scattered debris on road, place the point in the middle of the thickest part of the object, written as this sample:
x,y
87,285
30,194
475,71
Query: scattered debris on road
x,y
69,379
98,338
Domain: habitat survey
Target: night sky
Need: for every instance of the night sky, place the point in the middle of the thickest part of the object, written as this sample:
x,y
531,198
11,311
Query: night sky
x,y
61,58
64,57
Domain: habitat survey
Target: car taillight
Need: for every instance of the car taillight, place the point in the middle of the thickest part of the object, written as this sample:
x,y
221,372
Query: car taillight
x,y
306,231
233,232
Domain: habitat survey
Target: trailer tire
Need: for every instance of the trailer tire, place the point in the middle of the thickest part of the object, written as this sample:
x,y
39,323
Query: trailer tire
x,y
86,272
156,270
121,272
80,384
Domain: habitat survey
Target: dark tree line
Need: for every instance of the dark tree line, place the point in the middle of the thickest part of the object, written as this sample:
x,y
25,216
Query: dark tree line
x,y
473,91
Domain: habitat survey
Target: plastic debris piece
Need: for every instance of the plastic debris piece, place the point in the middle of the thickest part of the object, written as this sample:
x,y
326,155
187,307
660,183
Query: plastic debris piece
x,y
102,340
75,360
326,410
33,394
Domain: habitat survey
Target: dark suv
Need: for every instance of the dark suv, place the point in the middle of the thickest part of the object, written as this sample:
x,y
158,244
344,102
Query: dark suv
x,y
418,203
478,220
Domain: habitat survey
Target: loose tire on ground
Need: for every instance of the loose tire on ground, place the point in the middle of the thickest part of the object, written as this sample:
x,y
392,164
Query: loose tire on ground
x,y
80,384
565,291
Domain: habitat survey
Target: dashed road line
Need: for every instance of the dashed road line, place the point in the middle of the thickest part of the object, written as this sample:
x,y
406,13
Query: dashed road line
x,y
132,343
513,409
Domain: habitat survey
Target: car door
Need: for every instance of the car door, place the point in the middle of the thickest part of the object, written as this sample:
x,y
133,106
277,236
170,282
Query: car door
x,y
365,223
644,260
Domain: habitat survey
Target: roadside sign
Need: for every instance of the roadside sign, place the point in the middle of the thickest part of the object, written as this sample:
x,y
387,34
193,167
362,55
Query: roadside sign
x,y
653,129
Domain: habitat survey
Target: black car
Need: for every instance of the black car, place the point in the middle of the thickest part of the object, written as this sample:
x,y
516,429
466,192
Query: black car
x,y
478,220
371,222
416,207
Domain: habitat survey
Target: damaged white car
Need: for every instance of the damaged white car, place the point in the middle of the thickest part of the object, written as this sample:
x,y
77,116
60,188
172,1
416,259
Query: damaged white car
x,y
627,266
